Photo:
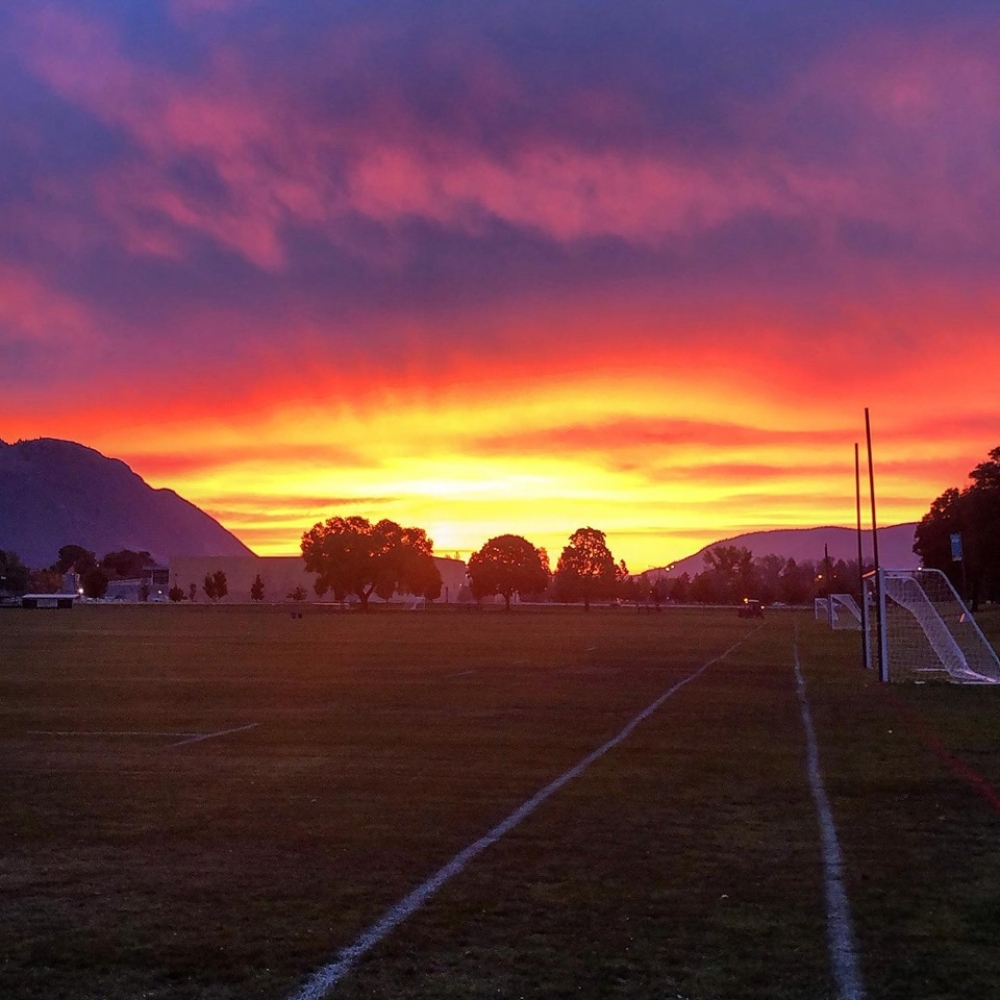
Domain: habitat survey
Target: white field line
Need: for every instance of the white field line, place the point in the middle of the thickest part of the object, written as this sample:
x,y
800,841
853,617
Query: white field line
x,y
102,732
185,738
839,932
209,736
322,981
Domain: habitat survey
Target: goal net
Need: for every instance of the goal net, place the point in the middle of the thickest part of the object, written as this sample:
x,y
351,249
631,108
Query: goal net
x,y
844,612
926,632
840,611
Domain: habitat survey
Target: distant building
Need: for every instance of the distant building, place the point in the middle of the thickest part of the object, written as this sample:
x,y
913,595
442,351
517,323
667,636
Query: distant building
x,y
281,576
153,582
61,601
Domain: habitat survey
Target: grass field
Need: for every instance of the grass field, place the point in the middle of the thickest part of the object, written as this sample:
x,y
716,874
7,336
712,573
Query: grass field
x,y
357,754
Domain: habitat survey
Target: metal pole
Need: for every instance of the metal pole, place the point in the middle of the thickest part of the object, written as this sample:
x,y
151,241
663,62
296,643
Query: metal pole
x,y
883,630
879,601
829,588
865,655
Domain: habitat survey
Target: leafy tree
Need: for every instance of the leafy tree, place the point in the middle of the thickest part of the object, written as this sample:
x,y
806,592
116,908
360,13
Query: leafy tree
x,y
215,585
636,589
126,564
14,575
679,588
708,587
975,513
508,565
349,555
192,591
45,581
769,569
586,569
257,589
298,594
74,558
732,573
176,594
798,582
94,582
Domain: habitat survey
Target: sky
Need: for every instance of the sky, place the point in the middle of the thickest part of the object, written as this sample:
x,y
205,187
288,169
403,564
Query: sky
x,y
509,266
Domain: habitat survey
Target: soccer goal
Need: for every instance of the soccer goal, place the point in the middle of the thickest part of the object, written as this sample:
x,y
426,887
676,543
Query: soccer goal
x,y
844,612
924,631
839,611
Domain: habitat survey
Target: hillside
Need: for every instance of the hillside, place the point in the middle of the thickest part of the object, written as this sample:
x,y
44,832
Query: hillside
x,y
895,547
55,493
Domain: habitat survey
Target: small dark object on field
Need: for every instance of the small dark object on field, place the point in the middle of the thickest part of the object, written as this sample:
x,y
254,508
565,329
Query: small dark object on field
x,y
751,609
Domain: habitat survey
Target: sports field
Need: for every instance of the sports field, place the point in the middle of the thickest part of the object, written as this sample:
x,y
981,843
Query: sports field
x,y
217,802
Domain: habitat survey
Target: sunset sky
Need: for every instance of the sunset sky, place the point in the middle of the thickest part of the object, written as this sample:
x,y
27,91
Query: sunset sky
x,y
507,266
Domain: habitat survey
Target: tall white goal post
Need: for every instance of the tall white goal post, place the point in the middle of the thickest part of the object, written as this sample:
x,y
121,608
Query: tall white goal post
x,y
839,611
923,630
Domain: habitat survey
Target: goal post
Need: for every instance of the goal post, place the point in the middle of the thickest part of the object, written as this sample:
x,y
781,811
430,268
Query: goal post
x,y
844,612
923,630
839,611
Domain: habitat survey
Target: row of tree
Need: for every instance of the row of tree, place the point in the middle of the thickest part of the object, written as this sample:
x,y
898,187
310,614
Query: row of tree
x,y
973,515
215,586
353,557
94,574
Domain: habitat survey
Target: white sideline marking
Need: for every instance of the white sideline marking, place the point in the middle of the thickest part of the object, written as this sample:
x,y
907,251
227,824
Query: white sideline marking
x,y
101,732
329,975
839,932
198,737
186,737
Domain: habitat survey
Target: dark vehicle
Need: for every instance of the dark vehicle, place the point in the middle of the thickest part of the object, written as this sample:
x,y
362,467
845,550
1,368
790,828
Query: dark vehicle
x,y
751,609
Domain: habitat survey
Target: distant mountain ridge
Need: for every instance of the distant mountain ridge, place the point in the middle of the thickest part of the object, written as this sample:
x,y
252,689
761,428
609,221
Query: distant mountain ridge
x,y
55,493
895,547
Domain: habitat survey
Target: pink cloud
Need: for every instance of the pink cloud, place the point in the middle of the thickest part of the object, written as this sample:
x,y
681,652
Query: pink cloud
x,y
281,162
32,312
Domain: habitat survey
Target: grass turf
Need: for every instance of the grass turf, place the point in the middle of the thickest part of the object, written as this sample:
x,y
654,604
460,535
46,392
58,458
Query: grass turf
x,y
684,862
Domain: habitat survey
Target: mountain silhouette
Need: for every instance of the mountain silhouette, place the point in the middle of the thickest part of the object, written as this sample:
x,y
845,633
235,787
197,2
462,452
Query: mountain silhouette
x,y
895,547
55,493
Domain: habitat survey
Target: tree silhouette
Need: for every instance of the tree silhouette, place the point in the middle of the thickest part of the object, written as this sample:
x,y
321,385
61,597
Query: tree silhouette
x,y
349,555
974,512
14,574
586,569
126,564
75,558
94,582
215,585
257,589
508,565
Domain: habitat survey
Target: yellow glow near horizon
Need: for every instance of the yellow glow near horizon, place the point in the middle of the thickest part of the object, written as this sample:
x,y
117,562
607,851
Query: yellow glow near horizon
x,y
665,449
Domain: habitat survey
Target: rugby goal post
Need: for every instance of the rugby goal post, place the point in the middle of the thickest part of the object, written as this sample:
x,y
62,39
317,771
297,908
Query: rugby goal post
x,y
923,630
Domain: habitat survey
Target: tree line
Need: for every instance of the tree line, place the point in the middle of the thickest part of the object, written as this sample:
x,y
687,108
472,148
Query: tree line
x,y
353,557
971,514
94,574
